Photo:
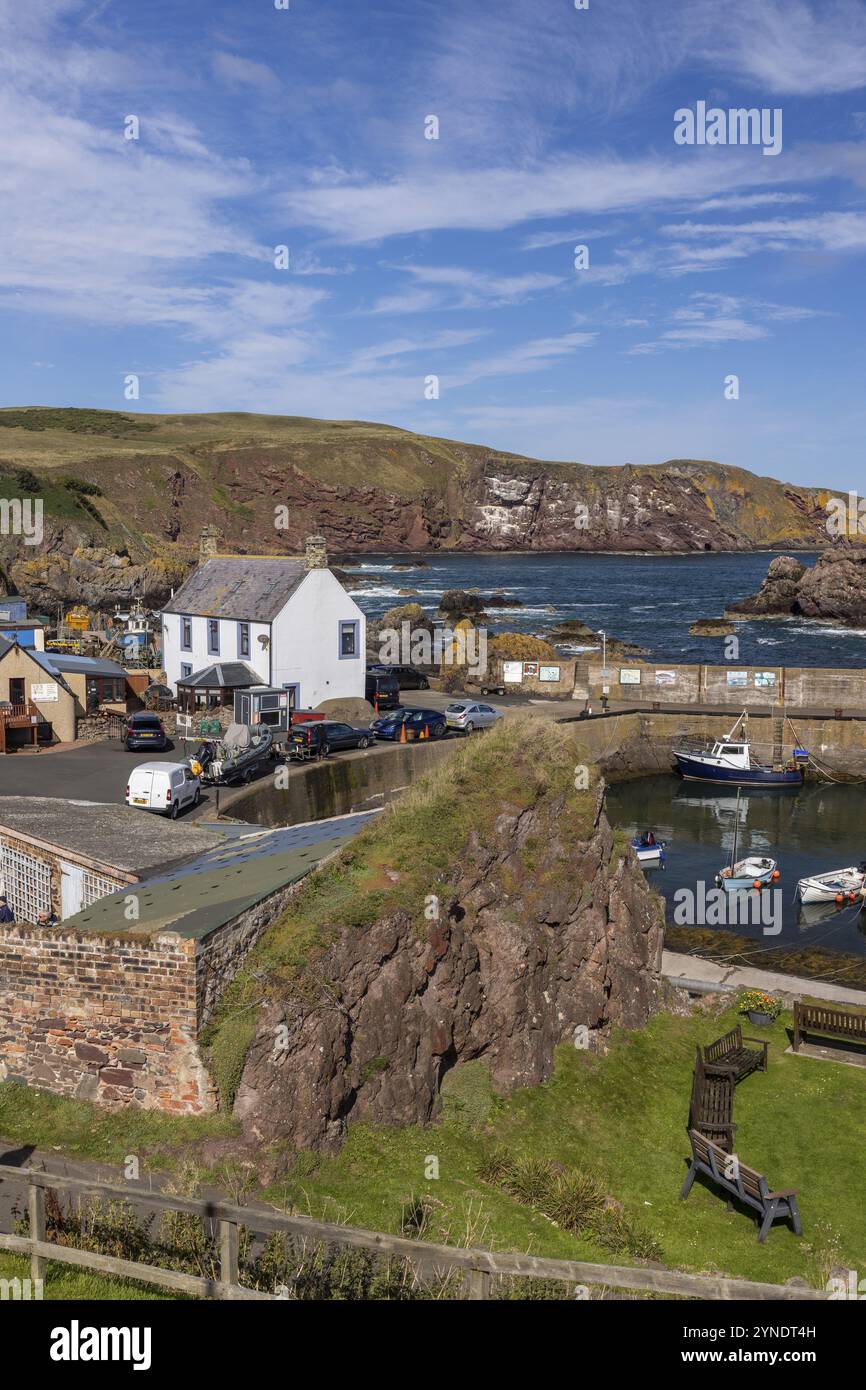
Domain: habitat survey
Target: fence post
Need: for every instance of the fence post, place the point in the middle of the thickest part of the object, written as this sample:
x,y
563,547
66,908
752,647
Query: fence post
x,y
479,1284
228,1255
36,1212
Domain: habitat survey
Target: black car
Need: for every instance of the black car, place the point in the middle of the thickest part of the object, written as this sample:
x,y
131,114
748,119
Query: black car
x,y
406,677
144,730
318,738
382,690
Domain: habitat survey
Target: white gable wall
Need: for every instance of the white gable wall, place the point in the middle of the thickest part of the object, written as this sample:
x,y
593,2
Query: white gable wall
x,y
306,642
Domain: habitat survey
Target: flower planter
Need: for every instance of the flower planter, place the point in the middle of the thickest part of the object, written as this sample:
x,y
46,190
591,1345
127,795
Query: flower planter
x,y
759,1019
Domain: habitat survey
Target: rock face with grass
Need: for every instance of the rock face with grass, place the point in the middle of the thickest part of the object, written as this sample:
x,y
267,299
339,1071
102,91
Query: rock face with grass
x,y
492,914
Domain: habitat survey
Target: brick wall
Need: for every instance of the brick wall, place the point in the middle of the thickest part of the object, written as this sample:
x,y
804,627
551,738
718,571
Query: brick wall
x,y
111,1020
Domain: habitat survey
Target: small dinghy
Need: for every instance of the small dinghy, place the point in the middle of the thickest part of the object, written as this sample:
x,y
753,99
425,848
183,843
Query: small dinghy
x,y
752,872
833,887
755,871
649,850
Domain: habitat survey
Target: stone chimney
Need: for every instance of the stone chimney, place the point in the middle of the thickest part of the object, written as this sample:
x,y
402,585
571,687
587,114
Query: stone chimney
x,y
209,543
316,554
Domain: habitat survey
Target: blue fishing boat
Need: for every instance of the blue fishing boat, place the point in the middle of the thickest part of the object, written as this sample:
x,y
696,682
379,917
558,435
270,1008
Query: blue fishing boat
x,y
729,760
650,851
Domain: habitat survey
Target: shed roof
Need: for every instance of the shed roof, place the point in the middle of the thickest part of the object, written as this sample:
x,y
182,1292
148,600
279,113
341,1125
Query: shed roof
x,y
119,837
85,665
207,892
245,587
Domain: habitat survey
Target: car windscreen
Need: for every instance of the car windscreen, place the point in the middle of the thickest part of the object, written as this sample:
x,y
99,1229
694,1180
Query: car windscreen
x,y
456,709
145,721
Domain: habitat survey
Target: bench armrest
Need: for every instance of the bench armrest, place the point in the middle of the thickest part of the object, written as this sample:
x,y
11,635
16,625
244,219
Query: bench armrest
x,y
762,1042
720,1127
784,1192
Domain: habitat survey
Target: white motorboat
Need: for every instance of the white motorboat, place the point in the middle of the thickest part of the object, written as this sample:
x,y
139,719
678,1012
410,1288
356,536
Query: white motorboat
x,y
832,887
755,871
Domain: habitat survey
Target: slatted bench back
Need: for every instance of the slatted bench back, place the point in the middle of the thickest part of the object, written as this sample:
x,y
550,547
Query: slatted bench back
x,y
817,1018
730,1042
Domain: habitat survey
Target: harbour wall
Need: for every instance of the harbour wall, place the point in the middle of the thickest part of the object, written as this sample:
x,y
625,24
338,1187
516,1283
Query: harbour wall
x,y
638,744
732,685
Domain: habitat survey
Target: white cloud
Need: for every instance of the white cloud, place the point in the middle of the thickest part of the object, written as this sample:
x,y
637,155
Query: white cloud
x,y
244,72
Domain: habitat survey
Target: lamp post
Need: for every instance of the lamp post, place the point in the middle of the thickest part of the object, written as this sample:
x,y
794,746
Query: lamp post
x,y
604,684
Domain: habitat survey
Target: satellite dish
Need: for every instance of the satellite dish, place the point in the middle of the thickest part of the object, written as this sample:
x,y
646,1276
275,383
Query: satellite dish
x,y
265,640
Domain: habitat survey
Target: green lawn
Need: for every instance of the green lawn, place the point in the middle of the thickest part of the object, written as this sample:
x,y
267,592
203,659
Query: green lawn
x,y
621,1116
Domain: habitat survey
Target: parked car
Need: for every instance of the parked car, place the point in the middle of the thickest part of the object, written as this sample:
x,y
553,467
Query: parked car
x,y
382,690
471,714
165,787
326,736
415,721
144,730
406,677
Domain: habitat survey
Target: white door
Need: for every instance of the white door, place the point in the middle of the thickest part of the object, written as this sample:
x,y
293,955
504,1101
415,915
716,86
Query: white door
x,y
71,889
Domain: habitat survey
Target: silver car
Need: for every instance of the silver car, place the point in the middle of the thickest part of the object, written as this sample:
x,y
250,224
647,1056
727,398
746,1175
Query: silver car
x,y
470,714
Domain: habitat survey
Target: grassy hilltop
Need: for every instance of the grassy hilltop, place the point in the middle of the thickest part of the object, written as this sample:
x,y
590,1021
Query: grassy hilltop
x,y
144,481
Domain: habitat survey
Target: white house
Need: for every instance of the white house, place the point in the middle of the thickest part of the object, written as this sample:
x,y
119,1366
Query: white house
x,y
284,622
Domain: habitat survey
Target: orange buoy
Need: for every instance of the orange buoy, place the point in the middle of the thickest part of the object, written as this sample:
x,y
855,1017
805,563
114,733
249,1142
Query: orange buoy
x,y
776,875
840,898
757,883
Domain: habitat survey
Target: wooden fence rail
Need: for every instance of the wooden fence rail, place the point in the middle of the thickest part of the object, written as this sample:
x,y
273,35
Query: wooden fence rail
x,y
478,1267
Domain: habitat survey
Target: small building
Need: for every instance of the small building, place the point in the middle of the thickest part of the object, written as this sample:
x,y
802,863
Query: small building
x,y
62,856
289,621
35,700
95,681
214,686
16,626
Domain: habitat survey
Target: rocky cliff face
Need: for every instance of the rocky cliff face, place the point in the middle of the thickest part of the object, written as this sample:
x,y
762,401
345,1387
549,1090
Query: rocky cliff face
x,y
268,482
833,589
544,934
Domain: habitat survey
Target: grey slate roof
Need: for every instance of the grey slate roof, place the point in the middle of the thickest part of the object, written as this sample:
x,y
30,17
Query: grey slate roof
x,y
222,675
84,665
4,646
134,841
244,587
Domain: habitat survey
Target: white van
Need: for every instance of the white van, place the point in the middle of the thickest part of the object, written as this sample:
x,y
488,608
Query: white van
x,y
165,787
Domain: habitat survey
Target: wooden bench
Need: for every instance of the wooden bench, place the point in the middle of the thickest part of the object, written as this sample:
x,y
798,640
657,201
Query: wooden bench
x,y
730,1054
712,1106
834,1023
749,1186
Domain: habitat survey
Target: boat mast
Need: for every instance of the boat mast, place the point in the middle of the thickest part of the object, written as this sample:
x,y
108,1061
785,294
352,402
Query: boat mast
x,y
736,828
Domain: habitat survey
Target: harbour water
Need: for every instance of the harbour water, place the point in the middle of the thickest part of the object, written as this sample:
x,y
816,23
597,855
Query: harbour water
x,y
649,600
809,831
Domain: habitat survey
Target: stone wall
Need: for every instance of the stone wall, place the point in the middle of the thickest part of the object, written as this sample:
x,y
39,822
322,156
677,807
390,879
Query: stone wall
x,y
808,687
220,954
111,1020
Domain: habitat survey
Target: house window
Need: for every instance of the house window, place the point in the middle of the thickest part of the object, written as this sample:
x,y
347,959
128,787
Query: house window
x,y
185,671
349,635
186,634
243,639
213,636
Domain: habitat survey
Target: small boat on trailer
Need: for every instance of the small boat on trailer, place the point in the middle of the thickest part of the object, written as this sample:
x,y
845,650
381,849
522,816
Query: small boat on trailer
x,y
729,760
835,887
650,851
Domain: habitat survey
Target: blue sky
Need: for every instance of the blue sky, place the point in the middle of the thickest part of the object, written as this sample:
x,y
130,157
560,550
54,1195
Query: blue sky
x,y
454,257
